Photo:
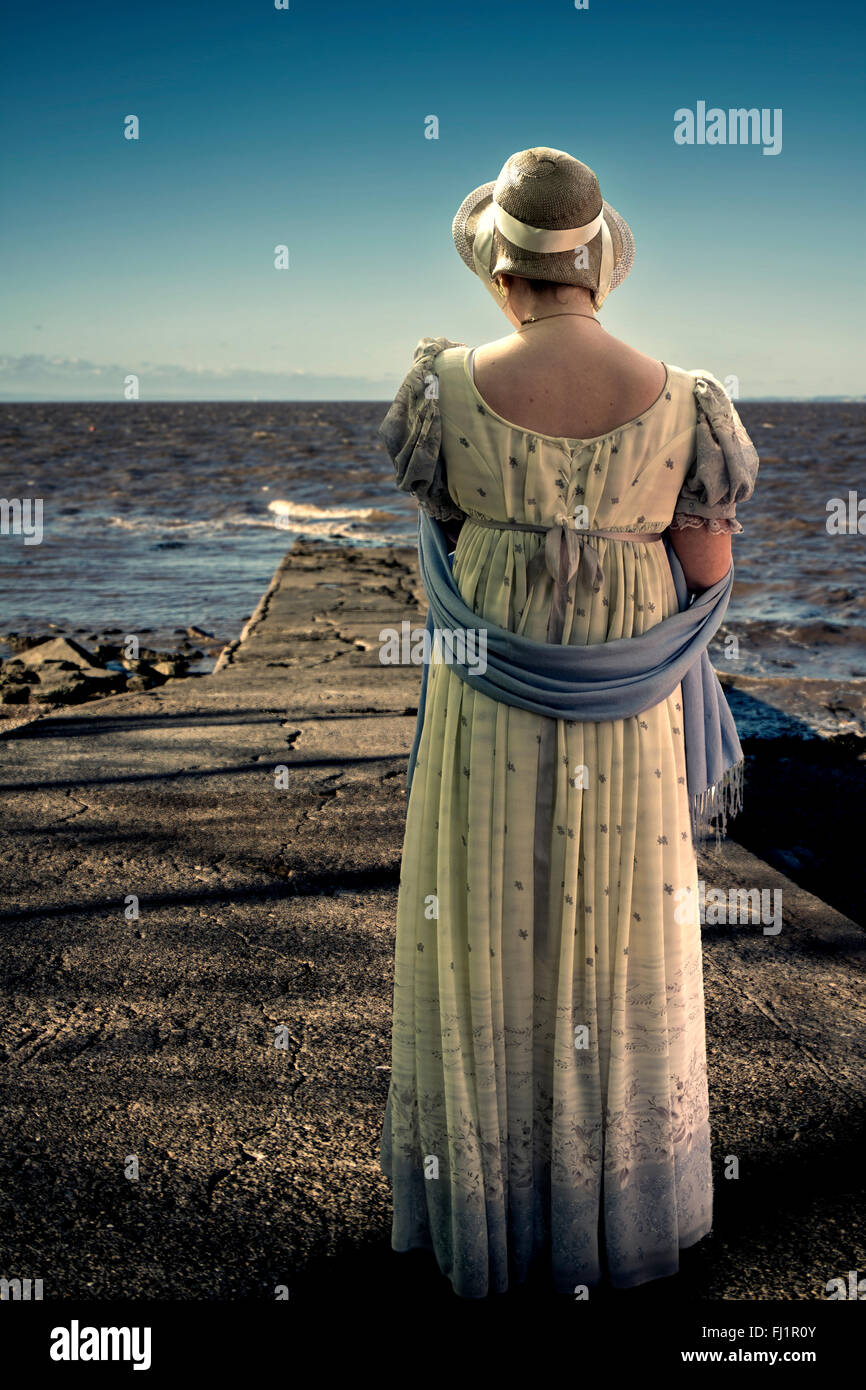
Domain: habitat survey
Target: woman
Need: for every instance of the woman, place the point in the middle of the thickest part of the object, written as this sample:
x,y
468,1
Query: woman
x,y
548,1100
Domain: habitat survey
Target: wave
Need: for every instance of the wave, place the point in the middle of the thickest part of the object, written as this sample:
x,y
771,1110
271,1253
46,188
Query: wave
x,y
309,511
352,523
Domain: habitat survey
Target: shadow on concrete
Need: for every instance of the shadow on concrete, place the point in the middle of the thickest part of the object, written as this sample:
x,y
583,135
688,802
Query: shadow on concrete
x,y
186,774
306,884
66,726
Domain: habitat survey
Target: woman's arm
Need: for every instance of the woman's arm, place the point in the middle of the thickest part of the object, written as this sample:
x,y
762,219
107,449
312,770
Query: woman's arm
x,y
705,555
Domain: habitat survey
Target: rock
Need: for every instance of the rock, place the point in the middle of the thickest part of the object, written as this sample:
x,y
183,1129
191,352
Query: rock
x,y
199,634
14,673
96,676
151,654
59,680
138,682
143,669
14,694
175,667
102,675
58,649
61,689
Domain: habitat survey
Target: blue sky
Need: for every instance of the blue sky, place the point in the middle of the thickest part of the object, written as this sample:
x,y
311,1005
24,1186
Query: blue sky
x,y
306,127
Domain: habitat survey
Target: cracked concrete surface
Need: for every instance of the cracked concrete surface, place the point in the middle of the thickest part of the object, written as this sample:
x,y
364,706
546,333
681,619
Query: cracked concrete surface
x,y
198,965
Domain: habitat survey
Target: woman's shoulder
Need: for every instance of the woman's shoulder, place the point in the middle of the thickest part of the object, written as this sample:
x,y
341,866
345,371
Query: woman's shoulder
x,y
498,347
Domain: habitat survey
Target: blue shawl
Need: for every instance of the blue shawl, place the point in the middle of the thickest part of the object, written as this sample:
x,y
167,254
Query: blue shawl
x,y
606,681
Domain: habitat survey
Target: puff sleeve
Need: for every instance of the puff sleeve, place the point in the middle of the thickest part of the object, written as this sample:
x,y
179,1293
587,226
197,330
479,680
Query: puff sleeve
x,y
725,465
412,434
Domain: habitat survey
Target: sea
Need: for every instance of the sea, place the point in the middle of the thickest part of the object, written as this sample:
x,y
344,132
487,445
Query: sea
x,y
158,516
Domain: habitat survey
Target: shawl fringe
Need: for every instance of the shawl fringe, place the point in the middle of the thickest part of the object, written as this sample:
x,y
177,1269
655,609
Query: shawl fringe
x,y
712,809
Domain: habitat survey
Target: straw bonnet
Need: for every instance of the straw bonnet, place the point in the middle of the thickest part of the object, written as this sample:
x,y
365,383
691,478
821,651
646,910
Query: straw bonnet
x,y
544,219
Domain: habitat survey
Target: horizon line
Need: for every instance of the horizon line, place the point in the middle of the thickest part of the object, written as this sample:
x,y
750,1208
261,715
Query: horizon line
x,y
343,400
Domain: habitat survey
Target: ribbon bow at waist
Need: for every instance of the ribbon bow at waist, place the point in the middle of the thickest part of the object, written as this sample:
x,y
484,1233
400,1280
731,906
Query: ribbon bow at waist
x,y
566,547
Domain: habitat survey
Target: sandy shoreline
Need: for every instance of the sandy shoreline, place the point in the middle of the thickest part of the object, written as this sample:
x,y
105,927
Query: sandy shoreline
x,y
262,909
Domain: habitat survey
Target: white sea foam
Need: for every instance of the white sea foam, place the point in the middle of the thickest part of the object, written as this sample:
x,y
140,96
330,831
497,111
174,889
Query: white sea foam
x,y
308,519
296,518
308,511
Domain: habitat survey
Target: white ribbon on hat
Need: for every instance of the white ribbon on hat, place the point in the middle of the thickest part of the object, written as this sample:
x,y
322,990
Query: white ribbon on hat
x,y
539,239
606,268
482,248
542,238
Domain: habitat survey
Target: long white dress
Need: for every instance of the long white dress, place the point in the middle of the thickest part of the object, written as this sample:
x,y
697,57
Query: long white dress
x,y
548,1100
